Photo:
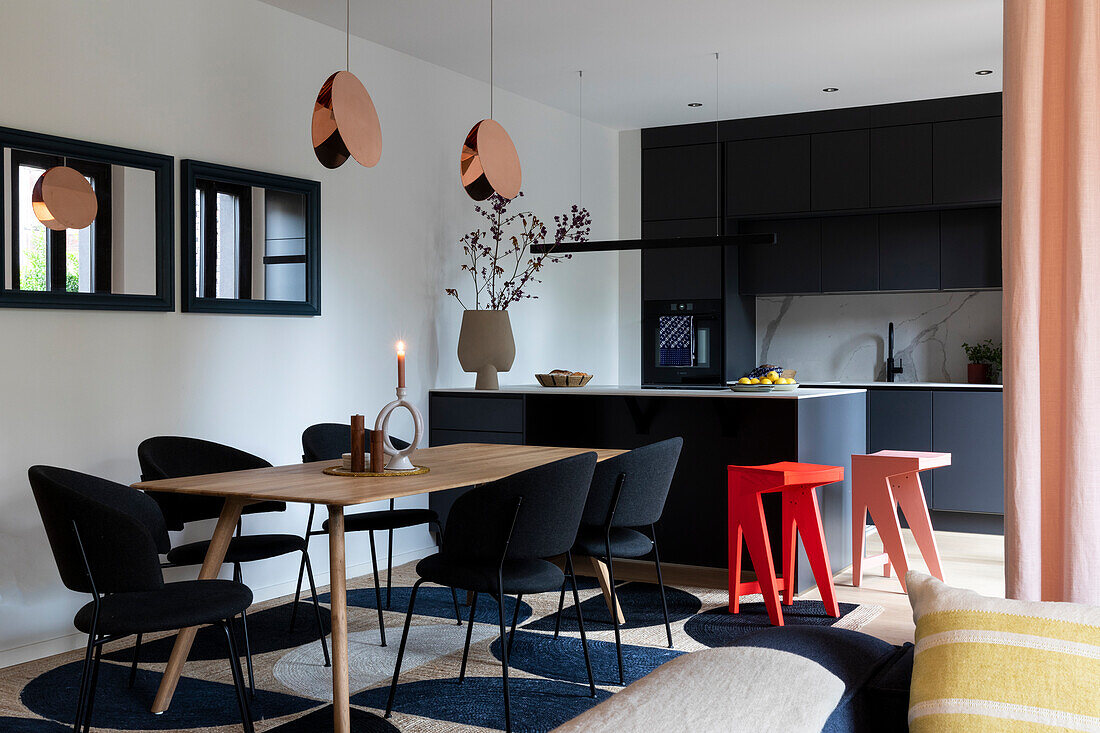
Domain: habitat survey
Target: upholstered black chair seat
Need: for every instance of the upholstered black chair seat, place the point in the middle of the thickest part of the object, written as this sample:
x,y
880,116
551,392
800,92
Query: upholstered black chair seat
x,y
247,548
173,606
592,541
520,576
386,519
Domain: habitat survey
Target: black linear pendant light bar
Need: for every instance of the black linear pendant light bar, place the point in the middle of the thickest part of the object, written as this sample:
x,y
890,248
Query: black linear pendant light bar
x,y
613,245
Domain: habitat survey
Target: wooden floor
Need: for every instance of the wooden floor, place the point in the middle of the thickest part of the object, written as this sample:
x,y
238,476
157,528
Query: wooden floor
x,y
973,561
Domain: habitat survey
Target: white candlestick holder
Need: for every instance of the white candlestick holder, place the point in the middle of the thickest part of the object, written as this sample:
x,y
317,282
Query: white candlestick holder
x,y
399,459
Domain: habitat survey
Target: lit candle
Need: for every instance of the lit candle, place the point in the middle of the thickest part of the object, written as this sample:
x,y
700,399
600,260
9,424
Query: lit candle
x,y
400,364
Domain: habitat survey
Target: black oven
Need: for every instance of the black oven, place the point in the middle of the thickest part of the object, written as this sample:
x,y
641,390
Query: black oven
x,y
682,343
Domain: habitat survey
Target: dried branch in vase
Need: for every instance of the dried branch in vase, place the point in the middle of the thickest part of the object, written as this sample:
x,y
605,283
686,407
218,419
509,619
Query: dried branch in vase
x,y
501,267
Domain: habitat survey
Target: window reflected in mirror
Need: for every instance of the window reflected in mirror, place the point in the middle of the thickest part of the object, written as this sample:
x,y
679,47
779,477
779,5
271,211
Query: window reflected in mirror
x,y
121,260
251,244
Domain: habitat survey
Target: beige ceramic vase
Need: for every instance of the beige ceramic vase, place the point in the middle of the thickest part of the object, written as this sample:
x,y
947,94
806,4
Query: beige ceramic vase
x,y
486,346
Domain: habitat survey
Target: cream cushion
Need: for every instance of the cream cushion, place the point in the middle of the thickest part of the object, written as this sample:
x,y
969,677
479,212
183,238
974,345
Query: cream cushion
x,y
728,689
983,664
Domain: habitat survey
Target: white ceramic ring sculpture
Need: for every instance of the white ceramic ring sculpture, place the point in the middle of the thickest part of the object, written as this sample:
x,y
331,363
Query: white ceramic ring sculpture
x,y
399,459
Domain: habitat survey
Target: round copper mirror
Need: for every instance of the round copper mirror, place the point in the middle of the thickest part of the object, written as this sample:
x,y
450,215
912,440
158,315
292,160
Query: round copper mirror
x,y
62,199
489,163
345,123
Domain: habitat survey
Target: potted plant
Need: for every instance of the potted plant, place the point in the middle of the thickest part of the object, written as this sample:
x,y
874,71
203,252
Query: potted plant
x,y
984,362
502,270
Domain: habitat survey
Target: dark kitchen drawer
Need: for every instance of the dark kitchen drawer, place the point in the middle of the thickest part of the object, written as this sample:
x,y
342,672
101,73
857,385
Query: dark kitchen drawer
x,y
968,425
493,413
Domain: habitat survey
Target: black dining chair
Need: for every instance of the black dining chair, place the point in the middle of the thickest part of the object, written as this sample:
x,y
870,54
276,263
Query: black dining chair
x,y
495,542
166,457
628,494
106,540
330,441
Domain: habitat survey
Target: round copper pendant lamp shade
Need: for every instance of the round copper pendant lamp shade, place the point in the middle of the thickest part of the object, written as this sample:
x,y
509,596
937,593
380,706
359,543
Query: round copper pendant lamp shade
x,y
63,199
489,162
345,123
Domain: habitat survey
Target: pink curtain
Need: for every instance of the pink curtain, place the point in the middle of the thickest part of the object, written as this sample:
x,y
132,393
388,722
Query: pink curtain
x,y
1052,299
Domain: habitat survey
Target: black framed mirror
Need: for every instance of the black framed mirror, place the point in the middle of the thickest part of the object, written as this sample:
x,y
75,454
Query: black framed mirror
x,y
251,241
121,260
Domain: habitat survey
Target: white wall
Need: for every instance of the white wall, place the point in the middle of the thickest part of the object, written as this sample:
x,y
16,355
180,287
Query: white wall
x,y
630,262
234,83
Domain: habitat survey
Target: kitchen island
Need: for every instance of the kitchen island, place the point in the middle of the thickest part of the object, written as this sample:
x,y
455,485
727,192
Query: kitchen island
x,y
719,427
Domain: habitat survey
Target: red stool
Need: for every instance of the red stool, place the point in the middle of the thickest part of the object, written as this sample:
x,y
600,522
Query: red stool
x,y
797,481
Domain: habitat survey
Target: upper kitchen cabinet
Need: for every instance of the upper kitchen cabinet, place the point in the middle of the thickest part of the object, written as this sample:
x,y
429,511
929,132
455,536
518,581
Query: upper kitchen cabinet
x,y
791,265
966,161
901,166
768,176
682,273
970,248
909,251
840,170
680,182
849,254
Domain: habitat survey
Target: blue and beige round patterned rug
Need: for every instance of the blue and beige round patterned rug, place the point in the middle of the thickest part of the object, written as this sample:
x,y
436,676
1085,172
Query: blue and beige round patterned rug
x,y
549,684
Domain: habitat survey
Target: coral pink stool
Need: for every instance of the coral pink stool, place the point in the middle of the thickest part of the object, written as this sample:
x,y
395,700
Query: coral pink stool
x,y
881,482
796,481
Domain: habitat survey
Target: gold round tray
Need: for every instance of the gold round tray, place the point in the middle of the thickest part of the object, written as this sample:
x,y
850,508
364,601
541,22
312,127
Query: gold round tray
x,y
340,471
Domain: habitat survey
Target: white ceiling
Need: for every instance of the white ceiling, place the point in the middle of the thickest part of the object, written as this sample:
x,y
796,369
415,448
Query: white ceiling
x,y
645,60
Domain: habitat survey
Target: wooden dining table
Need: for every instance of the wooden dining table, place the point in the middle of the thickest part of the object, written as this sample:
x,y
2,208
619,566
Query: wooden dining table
x,y
450,467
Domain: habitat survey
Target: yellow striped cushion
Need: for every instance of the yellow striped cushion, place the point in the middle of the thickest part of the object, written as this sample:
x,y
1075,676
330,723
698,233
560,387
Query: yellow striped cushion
x,y
990,664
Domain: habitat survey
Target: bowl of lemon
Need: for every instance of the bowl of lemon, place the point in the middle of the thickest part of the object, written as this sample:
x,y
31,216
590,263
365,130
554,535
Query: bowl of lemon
x,y
771,381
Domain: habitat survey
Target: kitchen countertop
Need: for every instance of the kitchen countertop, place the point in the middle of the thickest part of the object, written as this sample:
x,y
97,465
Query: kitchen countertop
x,y
904,385
612,390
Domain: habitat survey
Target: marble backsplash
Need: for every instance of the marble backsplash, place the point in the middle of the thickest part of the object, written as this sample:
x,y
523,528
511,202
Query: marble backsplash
x,y
843,337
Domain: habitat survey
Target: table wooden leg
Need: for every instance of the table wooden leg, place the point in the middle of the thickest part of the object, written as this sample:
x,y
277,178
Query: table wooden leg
x,y
605,584
338,594
211,564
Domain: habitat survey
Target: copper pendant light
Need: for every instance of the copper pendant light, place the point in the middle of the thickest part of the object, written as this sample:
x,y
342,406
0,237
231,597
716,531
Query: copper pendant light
x,y
63,199
345,122
489,162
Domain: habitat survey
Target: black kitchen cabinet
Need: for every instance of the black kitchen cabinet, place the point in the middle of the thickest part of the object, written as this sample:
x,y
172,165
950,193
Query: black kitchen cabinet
x,y
901,166
767,176
791,265
680,182
667,228
909,251
968,425
840,170
682,273
901,419
849,254
970,248
966,161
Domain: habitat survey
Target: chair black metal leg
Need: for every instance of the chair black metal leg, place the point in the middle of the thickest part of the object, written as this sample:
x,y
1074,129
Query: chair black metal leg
x,y
469,634
614,615
377,589
661,584
561,602
238,681
401,648
91,688
454,599
85,677
389,571
134,663
247,645
580,624
316,607
515,618
297,593
504,665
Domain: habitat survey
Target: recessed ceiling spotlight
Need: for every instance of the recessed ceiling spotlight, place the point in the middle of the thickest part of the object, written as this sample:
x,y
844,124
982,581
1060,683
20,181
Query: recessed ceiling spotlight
x,y
830,89
984,72
695,104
